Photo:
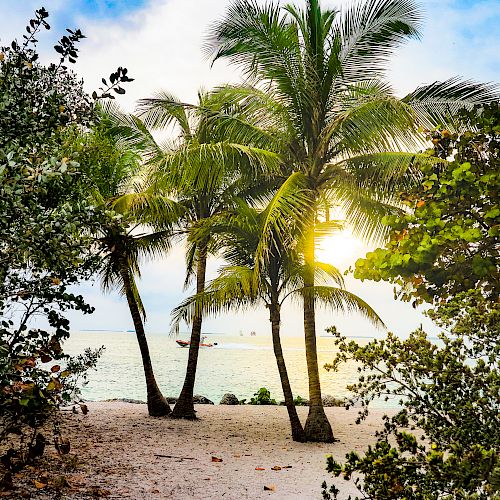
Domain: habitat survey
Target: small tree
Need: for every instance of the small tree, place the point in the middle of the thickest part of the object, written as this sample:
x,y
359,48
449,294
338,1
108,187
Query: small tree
x,y
449,242
448,392
110,168
42,250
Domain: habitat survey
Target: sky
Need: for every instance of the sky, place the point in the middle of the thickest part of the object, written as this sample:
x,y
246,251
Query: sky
x,y
160,41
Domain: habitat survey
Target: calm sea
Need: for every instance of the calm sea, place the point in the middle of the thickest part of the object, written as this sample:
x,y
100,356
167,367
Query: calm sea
x,y
238,364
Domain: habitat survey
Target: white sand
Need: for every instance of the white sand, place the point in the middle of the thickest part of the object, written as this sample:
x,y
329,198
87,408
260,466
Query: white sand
x,y
117,442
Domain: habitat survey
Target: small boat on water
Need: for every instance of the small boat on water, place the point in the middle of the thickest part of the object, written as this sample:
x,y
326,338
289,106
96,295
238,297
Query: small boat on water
x,y
203,343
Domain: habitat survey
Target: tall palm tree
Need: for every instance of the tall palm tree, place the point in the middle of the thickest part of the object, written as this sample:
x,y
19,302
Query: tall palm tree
x,y
242,284
201,173
110,168
320,75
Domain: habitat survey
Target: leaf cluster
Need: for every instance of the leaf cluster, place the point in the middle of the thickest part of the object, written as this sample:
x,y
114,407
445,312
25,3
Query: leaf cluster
x,y
444,441
449,242
262,397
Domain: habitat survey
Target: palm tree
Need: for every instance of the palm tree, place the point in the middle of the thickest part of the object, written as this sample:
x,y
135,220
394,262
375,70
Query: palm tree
x,y
201,174
320,78
110,168
241,284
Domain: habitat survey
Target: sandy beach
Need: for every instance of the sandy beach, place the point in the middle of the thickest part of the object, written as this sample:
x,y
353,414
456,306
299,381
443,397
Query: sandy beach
x,y
117,448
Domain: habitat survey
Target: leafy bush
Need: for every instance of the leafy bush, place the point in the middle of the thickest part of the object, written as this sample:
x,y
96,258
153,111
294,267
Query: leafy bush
x,y
448,391
36,377
300,401
449,243
44,249
262,397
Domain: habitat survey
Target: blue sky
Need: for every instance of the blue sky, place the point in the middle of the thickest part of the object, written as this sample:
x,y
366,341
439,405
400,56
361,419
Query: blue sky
x,y
159,41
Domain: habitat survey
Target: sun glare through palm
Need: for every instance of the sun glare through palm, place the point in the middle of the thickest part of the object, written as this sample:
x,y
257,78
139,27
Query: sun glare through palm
x,y
340,249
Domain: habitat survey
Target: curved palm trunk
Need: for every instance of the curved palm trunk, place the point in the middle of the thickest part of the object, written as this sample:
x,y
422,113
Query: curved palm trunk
x,y
157,404
317,426
184,408
297,429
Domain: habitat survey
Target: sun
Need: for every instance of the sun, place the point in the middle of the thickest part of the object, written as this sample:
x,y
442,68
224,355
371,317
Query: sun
x,y
341,249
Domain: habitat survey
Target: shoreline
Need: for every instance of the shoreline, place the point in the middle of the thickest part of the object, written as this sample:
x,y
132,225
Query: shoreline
x,y
121,452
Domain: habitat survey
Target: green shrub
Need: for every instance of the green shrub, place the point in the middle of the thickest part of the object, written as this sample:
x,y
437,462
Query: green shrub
x,y
300,401
447,391
262,397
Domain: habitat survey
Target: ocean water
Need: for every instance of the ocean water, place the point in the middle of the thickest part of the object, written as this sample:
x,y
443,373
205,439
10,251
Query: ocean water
x,y
238,364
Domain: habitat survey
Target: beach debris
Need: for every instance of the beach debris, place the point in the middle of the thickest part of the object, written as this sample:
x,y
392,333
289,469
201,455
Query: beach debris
x,y
229,399
39,485
276,467
99,492
6,481
260,468
84,408
178,458
216,459
271,487
286,467
62,445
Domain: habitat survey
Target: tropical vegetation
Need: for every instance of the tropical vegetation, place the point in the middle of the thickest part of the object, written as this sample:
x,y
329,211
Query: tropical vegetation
x,y
444,253
43,253
318,77
252,173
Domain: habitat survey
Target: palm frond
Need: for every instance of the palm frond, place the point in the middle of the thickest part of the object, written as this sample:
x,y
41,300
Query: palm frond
x,y
128,130
343,301
380,172
288,205
372,125
163,110
370,31
232,289
439,102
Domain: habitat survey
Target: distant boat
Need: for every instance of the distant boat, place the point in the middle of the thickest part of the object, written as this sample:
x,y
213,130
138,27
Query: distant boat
x,y
187,343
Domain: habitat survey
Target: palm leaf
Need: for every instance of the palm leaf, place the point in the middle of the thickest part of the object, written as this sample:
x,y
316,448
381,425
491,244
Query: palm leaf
x,y
343,301
163,110
369,32
439,102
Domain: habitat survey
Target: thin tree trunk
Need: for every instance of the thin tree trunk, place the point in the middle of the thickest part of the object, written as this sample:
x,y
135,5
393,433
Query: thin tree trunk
x,y
157,404
317,426
297,429
184,408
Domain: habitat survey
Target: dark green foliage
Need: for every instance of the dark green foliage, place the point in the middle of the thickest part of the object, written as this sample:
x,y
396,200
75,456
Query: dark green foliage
x,y
448,391
43,248
300,401
450,242
262,397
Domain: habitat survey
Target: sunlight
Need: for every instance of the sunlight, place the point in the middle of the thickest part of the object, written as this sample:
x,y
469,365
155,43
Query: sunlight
x,y
340,249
